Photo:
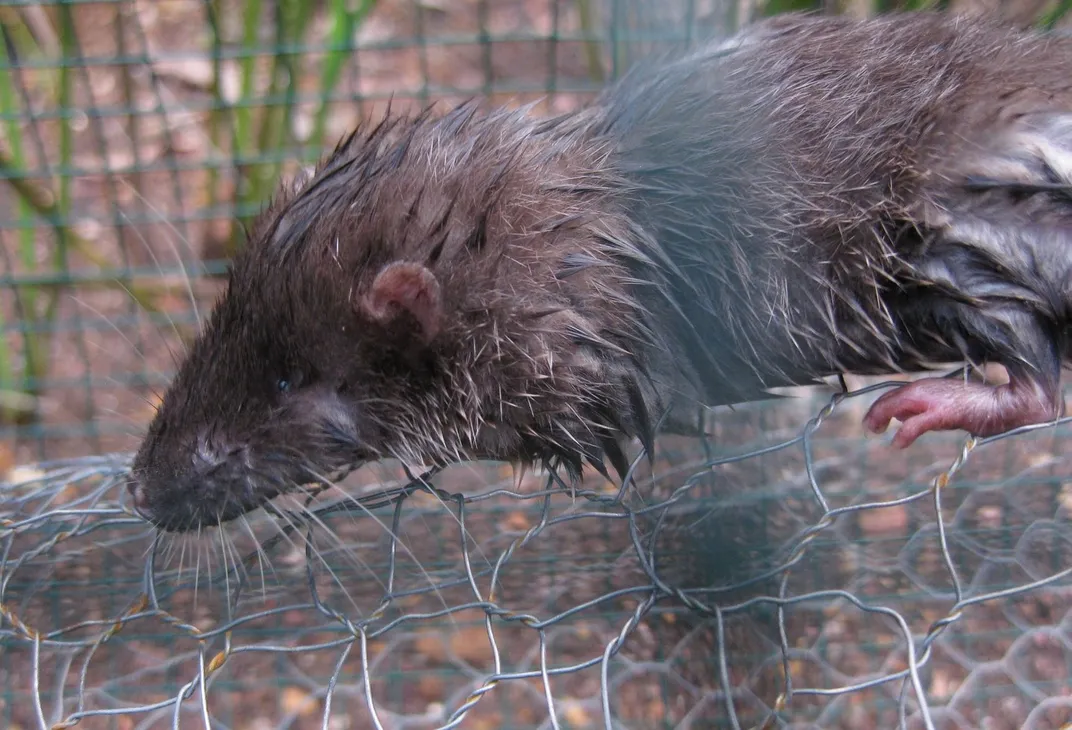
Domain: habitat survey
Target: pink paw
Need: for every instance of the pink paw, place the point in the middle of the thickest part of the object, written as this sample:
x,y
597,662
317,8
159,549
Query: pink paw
x,y
941,404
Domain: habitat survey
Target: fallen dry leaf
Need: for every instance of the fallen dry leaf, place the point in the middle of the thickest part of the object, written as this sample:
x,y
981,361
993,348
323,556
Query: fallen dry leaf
x,y
470,643
576,715
297,701
884,520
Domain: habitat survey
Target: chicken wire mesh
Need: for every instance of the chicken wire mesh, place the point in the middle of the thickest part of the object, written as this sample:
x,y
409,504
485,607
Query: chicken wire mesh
x,y
788,575
784,572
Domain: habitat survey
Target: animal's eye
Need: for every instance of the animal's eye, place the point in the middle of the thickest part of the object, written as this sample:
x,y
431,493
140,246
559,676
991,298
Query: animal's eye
x,y
295,378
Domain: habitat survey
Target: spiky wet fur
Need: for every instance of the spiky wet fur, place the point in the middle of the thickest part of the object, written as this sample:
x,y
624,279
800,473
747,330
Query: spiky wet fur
x,y
817,196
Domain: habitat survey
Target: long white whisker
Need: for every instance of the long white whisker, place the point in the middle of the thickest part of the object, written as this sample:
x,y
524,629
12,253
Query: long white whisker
x,y
175,250
401,543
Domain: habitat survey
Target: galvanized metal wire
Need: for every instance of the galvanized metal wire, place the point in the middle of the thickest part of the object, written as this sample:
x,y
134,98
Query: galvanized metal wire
x,y
658,602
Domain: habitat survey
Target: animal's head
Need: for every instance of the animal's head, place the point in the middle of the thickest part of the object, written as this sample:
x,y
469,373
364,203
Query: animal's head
x,y
408,300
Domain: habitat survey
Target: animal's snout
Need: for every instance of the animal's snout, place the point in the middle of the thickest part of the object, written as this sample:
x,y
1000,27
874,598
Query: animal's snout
x,y
141,501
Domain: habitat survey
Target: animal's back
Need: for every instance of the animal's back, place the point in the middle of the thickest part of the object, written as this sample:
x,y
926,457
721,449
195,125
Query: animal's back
x,y
812,181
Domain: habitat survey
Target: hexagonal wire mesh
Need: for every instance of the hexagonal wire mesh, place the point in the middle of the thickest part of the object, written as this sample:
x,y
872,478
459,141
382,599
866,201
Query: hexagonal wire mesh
x,y
783,572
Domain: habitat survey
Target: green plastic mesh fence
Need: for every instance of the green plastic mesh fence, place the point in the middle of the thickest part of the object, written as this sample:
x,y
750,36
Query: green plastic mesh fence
x,y
787,572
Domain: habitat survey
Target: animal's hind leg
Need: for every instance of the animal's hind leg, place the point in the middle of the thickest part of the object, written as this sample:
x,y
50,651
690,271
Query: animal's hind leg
x,y
941,404
1003,235
1015,337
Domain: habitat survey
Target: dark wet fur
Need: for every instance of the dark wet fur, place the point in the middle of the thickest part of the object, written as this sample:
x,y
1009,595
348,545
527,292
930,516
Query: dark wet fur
x,y
833,196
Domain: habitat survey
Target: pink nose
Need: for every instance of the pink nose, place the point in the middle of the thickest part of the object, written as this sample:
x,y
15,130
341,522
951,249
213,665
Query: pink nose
x,y
141,502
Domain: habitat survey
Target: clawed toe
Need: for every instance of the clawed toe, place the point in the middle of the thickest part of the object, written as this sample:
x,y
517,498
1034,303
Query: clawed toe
x,y
941,404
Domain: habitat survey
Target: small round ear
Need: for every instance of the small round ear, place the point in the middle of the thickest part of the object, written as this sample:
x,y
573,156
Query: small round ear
x,y
406,288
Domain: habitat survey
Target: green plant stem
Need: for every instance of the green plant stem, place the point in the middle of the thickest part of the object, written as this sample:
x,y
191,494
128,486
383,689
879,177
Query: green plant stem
x,y
344,23
37,197
21,36
63,199
243,143
130,98
244,114
1050,19
27,300
217,116
26,250
774,7
591,45
41,201
290,26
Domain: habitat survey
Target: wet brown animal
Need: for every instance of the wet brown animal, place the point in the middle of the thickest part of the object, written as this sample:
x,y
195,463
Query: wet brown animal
x,y
816,196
